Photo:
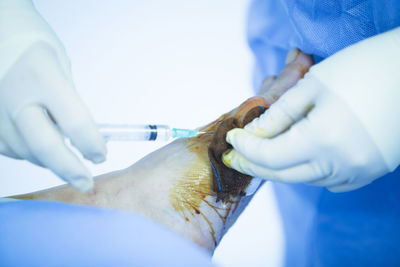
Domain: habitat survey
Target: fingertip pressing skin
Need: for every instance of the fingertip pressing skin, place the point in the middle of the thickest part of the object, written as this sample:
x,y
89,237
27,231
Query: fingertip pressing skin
x,y
233,159
301,173
245,143
228,157
83,184
270,124
233,134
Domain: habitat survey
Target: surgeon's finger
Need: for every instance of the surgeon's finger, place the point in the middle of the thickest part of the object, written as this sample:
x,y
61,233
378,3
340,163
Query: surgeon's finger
x,y
7,151
290,108
69,112
14,146
286,150
76,123
47,145
303,173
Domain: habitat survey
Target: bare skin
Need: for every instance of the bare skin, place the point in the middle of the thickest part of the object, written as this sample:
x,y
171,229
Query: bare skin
x,y
173,185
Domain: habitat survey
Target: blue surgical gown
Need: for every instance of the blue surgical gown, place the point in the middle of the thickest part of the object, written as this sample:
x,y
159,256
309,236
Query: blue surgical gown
x,y
45,233
360,227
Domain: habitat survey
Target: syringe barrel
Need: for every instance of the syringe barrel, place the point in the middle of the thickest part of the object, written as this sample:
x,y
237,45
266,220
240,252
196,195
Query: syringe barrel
x,y
135,132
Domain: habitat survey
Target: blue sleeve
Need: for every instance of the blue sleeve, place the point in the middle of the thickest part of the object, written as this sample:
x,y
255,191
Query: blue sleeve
x,y
270,36
40,233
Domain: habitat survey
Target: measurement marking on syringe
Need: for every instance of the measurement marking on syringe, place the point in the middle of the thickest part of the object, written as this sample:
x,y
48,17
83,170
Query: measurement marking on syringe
x,y
153,133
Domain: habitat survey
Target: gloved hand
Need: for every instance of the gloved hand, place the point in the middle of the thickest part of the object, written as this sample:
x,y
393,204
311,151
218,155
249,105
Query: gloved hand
x,y
337,128
38,102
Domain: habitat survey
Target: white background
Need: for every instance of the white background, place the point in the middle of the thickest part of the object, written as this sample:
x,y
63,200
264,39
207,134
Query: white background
x,y
173,62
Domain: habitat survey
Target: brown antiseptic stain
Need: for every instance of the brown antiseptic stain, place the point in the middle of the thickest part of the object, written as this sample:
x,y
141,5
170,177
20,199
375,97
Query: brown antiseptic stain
x,y
229,183
196,184
25,197
192,189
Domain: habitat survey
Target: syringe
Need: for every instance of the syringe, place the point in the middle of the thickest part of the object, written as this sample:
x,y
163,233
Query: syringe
x,y
138,132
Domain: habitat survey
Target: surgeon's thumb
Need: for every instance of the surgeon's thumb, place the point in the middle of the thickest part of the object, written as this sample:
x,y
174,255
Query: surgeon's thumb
x,y
290,108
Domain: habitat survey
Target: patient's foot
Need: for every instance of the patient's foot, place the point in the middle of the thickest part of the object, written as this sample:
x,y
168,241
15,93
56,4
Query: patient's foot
x,y
172,185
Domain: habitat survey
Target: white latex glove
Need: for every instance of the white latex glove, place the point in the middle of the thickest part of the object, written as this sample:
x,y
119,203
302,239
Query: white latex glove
x,y
35,78
338,127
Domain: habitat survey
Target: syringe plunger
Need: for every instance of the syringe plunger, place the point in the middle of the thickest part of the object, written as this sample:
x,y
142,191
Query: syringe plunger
x,y
143,132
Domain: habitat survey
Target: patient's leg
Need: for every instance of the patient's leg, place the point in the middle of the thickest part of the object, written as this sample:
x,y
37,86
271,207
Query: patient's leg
x,y
174,185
